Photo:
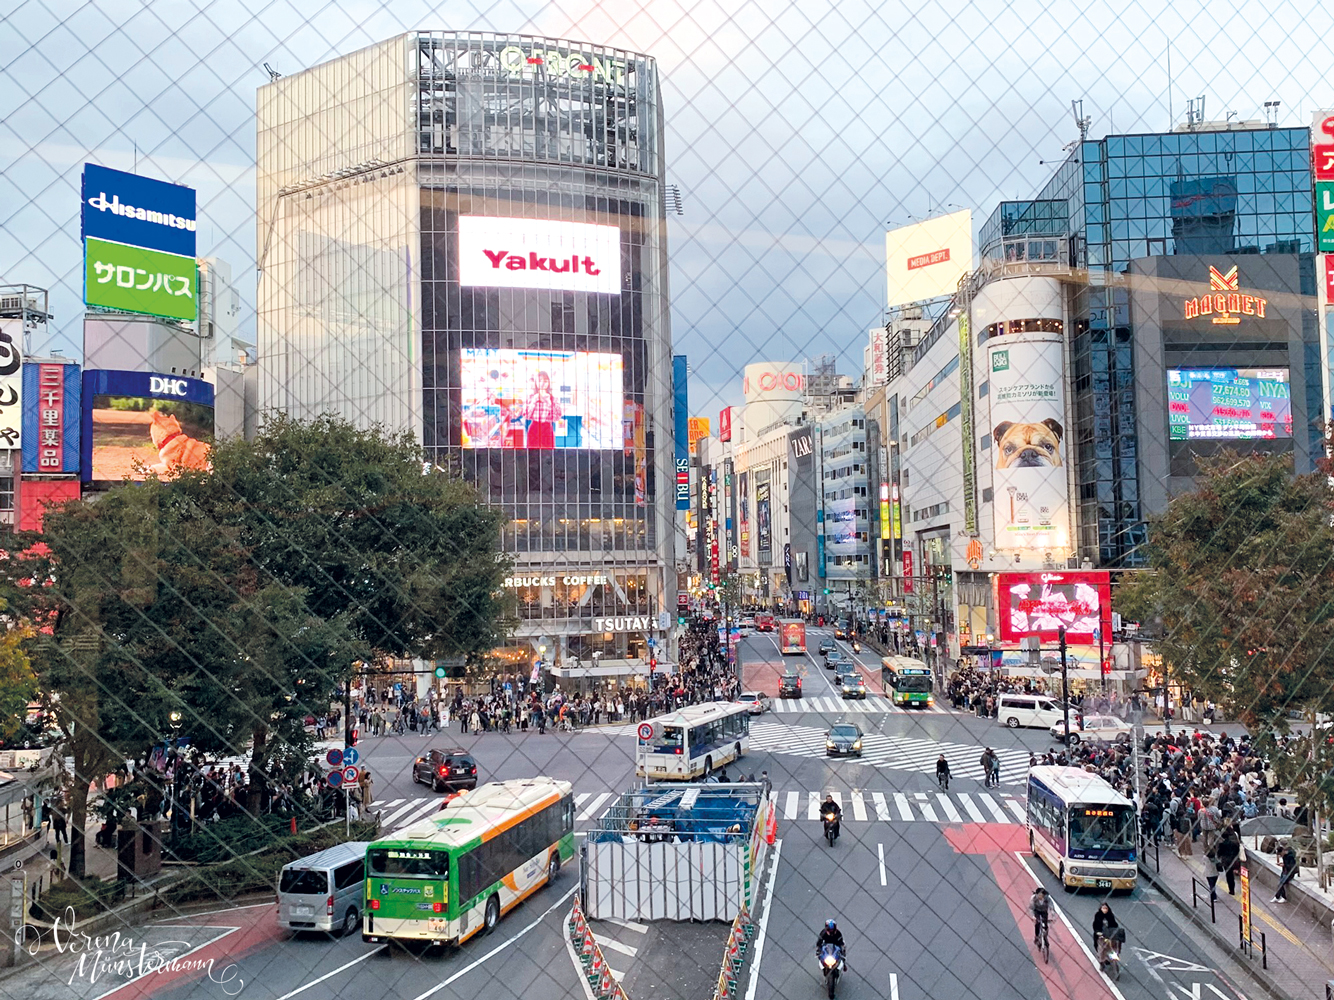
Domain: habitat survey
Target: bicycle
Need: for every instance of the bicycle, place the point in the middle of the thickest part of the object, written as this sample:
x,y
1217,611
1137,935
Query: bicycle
x,y
943,779
1042,940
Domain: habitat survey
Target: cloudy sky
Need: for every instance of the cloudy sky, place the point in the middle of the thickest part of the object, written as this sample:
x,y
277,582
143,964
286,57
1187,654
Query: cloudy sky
x,y
795,131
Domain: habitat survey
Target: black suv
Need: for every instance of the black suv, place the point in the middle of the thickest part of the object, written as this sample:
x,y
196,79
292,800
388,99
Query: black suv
x,y
445,769
790,686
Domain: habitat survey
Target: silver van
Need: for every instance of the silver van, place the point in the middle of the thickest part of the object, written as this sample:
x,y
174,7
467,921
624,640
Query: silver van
x,y
324,891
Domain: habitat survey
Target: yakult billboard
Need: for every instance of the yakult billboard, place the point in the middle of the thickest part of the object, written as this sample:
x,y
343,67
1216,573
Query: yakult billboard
x,y
539,253
1028,441
926,260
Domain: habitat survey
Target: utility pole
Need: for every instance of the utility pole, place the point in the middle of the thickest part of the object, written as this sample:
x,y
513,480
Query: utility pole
x,y
1065,686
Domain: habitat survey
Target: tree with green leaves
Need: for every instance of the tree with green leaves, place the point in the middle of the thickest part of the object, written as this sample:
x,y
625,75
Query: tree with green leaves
x,y
1241,587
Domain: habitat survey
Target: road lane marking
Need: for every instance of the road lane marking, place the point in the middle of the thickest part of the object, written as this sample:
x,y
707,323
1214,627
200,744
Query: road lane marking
x,y
764,924
901,801
1017,809
947,806
503,945
790,809
614,945
226,932
581,798
402,810
893,986
592,807
925,807
426,808
880,849
966,800
1079,938
329,975
813,805
881,806
858,807
638,928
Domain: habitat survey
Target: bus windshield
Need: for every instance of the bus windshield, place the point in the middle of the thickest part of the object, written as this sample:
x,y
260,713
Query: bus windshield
x,y
917,683
400,862
670,740
1097,829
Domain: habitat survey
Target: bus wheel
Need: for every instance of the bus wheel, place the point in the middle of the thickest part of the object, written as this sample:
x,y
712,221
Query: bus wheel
x,y
553,868
492,913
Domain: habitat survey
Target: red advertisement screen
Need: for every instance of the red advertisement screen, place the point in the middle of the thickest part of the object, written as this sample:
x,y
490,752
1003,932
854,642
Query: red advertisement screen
x,y
1040,603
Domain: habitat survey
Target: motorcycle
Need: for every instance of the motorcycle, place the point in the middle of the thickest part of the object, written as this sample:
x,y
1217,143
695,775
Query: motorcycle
x,y
856,647
831,961
830,828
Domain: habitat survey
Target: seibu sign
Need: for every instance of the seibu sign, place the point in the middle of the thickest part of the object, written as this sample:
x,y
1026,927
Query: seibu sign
x,y
569,580
539,253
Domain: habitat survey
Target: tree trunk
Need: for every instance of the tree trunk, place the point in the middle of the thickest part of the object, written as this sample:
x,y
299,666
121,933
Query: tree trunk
x,y
78,816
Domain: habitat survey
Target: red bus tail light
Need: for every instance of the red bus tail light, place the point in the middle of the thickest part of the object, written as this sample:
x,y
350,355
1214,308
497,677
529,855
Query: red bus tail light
x,y
437,907
375,904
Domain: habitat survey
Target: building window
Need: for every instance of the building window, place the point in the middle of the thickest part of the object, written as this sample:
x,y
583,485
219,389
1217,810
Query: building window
x,y
6,493
987,494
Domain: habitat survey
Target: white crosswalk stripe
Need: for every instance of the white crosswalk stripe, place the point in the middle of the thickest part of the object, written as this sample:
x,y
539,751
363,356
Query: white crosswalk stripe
x,y
423,810
593,806
947,807
925,806
790,810
994,809
858,807
1017,809
966,800
813,805
901,801
881,806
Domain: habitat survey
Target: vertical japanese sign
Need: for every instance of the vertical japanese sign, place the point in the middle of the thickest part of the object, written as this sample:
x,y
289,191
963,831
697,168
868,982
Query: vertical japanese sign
x,y
907,570
1245,903
11,385
681,429
51,418
967,403
1322,170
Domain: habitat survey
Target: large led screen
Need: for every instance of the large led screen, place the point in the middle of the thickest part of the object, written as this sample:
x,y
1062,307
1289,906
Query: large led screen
x,y
137,424
1039,604
539,253
1228,404
541,399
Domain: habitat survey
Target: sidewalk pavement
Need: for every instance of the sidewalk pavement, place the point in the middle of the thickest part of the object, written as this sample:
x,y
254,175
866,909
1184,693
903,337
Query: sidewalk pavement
x,y
1299,956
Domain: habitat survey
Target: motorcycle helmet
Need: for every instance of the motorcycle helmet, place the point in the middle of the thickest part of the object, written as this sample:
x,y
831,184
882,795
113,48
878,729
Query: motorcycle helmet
x,y
830,925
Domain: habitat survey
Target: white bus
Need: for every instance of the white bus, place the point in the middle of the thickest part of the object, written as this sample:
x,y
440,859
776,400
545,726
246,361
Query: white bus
x,y
692,742
1082,828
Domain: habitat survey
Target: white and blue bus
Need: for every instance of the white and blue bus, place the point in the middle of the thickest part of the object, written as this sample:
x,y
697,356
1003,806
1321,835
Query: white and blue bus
x,y
692,742
1082,828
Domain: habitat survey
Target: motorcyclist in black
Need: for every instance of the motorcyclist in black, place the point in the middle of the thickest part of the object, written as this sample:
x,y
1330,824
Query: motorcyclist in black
x,y
830,934
830,806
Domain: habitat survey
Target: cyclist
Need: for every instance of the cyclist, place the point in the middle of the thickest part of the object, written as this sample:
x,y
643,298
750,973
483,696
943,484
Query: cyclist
x,y
943,772
1040,906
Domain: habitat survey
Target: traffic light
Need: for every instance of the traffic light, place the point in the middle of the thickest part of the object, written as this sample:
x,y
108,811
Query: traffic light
x,y
440,672
826,590
652,664
680,619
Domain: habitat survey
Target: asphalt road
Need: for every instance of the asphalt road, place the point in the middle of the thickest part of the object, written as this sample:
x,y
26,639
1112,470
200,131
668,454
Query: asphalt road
x,y
929,887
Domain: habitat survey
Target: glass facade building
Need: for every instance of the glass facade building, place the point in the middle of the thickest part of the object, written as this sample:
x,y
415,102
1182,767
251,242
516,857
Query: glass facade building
x,y
1214,191
386,178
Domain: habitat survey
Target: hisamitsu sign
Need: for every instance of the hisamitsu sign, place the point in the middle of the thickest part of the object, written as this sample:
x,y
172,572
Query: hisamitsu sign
x,y
138,211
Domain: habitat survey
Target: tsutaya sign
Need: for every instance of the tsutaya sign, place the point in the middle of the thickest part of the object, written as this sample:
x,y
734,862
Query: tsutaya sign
x,y
627,623
1225,301
568,579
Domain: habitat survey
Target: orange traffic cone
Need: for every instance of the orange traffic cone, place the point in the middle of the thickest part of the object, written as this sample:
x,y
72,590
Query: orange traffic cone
x,y
608,984
771,827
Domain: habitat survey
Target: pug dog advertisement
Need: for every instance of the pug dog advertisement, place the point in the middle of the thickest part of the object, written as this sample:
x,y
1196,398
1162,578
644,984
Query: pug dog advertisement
x,y
1028,442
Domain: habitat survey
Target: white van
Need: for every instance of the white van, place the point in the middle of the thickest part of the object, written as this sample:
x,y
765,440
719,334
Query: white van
x,y
324,892
1033,710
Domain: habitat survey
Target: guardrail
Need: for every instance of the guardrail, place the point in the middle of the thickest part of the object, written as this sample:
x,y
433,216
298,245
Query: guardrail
x,y
596,971
734,957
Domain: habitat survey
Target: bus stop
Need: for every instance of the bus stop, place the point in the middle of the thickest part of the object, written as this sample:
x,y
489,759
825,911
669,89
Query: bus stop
x,y
677,852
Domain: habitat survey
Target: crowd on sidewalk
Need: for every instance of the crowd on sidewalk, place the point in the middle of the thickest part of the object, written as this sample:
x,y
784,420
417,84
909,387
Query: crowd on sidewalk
x,y
1198,787
975,690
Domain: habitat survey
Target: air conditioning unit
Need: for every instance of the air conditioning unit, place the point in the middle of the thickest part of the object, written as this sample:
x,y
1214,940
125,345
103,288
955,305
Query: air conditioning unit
x,y
19,303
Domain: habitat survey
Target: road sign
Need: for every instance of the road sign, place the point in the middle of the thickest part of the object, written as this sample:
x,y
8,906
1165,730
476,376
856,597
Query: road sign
x,y
350,755
335,779
646,730
350,775
334,757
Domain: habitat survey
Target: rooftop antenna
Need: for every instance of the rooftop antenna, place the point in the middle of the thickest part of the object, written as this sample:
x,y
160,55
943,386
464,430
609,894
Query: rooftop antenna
x,y
1082,123
273,73
1271,112
1194,112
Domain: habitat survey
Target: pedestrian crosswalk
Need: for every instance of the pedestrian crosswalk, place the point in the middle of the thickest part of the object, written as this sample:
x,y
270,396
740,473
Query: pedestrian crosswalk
x,y
858,807
833,705
900,753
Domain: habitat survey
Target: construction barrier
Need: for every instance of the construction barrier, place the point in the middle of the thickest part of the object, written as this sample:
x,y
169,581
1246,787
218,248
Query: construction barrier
x,y
734,957
596,971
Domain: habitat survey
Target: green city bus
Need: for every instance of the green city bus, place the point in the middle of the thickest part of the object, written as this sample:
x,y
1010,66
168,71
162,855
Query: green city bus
x,y
910,680
455,873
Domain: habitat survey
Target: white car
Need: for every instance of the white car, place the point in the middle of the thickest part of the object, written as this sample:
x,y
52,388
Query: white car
x,y
754,701
1107,728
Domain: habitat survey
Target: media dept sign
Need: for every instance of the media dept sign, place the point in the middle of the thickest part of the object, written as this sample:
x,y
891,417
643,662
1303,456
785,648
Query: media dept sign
x,y
139,244
1028,443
